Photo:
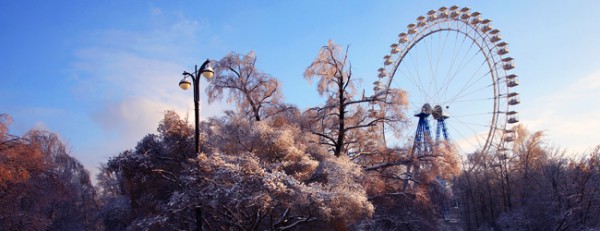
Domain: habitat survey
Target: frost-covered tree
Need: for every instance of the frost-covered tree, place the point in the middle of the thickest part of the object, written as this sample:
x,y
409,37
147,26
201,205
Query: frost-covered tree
x,y
41,186
313,186
532,188
264,175
421,206
136,183
252,91
344,121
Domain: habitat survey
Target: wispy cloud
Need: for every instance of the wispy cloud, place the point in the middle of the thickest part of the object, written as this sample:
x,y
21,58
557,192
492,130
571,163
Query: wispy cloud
x,y
131,78
570,115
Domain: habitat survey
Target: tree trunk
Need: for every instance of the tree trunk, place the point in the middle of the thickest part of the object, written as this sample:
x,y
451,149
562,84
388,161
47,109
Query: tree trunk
x,y
342,125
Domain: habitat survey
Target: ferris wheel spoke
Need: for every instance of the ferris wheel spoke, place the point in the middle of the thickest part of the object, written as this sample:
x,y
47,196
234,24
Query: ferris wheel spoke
x,y
417,80
463,136
471,124
442,49
452,62
470,83
462,94
460,67
429,50
413,81
454,56
473,100
425,93
464,64
470,115
433,70
476,134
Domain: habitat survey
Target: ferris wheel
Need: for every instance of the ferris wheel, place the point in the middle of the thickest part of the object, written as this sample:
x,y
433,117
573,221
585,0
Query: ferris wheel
x,y
453,68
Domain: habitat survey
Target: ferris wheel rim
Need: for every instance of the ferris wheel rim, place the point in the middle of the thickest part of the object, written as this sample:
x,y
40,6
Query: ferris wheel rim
x,y
477,35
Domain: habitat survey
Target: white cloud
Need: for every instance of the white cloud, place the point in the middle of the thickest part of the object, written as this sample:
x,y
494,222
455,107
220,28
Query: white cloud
x,y
40,125
131,117
131,78
568,116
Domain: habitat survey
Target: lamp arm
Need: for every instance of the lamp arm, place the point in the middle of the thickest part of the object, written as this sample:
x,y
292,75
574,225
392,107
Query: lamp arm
x,y
185,73
204,65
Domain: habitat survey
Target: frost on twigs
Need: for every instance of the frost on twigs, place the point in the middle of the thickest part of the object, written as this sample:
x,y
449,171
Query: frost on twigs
x,y
346,122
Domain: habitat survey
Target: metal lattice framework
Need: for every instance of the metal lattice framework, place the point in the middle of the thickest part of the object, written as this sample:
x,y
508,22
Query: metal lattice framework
x,y
455,60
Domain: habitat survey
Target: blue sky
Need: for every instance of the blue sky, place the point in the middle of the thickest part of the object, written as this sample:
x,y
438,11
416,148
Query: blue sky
x,y
101,73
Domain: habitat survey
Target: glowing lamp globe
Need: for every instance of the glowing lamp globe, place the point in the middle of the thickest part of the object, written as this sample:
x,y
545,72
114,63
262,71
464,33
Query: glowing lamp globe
x,y
185,84
208,72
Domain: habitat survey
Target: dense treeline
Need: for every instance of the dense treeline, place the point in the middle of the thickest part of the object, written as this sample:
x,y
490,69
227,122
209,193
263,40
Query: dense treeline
x,y
271,166
532,188
41,186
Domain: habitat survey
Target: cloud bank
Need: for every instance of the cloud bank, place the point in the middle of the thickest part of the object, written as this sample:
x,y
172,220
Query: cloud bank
x,y
569,115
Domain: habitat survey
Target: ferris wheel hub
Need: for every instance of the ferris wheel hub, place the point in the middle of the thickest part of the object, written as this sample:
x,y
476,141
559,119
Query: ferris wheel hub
x,y
439,113
425,111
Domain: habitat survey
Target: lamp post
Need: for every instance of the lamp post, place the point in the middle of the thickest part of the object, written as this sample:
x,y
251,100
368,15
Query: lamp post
x,y
206,71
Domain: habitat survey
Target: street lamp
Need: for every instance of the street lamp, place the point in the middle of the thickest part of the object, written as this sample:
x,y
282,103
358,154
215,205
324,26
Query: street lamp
x,y
206,71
